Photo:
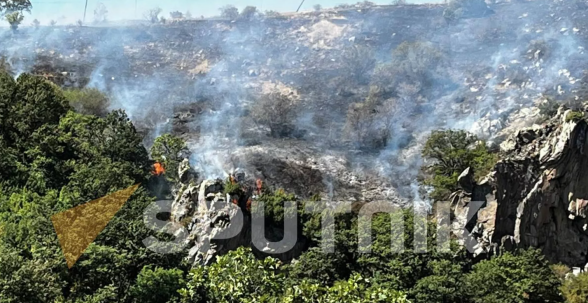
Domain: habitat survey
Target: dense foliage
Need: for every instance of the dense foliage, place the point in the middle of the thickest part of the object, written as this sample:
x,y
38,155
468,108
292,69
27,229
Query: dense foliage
x,y
450,152
89,101
53,159
167,150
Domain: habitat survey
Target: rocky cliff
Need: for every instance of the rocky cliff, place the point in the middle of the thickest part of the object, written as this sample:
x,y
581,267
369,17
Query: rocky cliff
x,y
537,195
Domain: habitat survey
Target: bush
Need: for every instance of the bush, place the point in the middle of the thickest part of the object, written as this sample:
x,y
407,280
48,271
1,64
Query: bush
x,y
457,9
574,116
575,288
89,101
414,63
445,284
229,11
248,12
273,14
5,66
452,151
513,277
176,15
276,111
358,63
168,150
100,13
369,124
153,15
157,285
537,49
317,7
560,270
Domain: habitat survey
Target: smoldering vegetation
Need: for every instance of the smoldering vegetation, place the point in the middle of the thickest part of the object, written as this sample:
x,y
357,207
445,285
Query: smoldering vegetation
x,y
346,96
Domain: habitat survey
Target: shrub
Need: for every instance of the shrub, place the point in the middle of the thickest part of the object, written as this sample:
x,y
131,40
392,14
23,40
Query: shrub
x,y
457,9
560,270
358,63
5,66
524,276
153,15
369,124
574,116
445,284
100,13
276,111
235,277
177,15
548,108
157,285
360,126
317,7
537,49
229,11
273,204
168,150
452,151
89,101
273,14
414,63
232,188
248,12
575,288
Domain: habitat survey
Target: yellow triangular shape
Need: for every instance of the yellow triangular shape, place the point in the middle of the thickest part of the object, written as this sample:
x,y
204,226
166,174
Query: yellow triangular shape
x,y
77,227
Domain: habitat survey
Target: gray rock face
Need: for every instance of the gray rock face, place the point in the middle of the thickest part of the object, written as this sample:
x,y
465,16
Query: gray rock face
x,y
218,223
536,196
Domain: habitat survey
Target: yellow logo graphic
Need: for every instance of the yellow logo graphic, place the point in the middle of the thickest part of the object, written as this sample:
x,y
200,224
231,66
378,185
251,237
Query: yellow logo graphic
x,y
77,227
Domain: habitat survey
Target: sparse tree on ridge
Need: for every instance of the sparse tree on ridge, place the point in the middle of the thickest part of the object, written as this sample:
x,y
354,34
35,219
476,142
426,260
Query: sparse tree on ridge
x,y
100,13
229,11
317,7
249,12
177,15
153,14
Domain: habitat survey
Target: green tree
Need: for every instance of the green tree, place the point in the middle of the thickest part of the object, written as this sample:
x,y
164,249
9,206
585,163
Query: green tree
x,y
236,277
27,280
168,150
157,285
452,151
88,101
513,277
14,19
445,284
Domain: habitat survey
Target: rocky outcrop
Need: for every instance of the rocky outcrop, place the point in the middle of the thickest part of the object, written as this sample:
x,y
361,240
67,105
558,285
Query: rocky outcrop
x,y
217,222
537,196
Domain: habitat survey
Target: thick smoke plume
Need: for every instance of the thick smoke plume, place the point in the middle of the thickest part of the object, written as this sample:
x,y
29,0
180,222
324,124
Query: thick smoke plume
x,y
201,79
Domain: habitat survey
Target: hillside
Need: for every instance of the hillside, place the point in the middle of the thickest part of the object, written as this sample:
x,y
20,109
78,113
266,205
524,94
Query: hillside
x,y
469,119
